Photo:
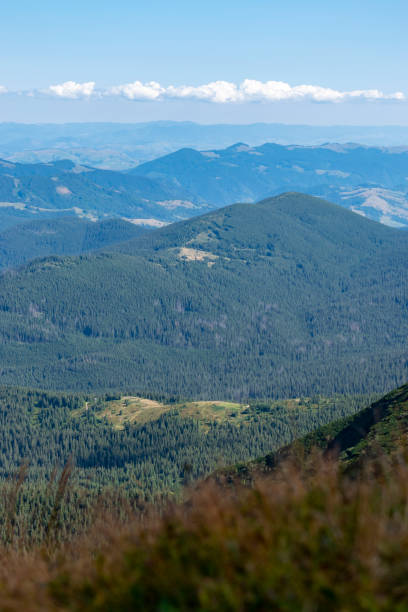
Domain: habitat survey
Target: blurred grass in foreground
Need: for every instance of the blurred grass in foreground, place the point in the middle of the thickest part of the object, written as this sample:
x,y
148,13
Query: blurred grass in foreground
x,y
304,537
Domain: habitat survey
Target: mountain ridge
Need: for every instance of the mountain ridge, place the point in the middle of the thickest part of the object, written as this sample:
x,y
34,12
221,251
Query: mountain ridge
x,y
62,188
369,180
120,146
274,299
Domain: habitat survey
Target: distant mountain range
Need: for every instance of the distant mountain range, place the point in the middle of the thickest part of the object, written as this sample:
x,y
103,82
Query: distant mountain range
x,y
120,146
368,180
291,296
61,188
371,181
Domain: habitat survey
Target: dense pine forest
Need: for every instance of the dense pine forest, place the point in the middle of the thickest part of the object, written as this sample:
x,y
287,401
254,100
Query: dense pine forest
x,y
61,236
289,318
43,433
292,296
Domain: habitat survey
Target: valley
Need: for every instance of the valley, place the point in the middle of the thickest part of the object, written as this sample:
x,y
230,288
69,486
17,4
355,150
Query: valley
x,y
61,188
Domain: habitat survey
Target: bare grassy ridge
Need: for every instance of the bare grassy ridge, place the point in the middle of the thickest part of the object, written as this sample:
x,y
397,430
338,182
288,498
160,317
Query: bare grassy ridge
x,y
301,538
137,410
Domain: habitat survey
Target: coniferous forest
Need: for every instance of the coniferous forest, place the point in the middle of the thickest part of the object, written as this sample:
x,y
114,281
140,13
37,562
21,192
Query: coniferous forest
x,y
203,306
41,434
193,386
292,296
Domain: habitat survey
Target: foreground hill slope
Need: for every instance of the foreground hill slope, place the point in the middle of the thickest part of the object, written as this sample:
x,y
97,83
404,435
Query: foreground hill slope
x,y
290,296
302,537
368,180
378,431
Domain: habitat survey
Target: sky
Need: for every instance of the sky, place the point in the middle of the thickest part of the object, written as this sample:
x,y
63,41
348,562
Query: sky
x,y
316,62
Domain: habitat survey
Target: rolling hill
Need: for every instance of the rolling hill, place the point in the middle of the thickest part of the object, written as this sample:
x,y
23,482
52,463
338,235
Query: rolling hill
x,y
61,188
290,296
368,180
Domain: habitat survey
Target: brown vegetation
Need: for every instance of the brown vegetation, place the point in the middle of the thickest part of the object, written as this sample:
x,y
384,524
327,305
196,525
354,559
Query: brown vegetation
x,y
298,539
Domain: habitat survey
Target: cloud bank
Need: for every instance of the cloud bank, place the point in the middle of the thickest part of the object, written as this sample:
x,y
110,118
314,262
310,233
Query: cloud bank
x,y
219,92
249,90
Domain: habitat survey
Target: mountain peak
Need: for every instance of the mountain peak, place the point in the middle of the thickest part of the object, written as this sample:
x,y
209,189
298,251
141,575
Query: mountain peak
x,y
239,147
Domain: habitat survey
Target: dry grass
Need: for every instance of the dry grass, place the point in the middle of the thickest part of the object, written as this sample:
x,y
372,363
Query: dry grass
x,y
299,539
139,410
131,409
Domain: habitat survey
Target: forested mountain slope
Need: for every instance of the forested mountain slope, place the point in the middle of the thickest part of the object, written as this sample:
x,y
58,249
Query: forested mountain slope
x,y
62,188
359,441
369,180
62,236
286,297
380,429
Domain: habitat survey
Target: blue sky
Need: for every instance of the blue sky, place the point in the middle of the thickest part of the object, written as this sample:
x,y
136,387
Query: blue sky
x,y
344,47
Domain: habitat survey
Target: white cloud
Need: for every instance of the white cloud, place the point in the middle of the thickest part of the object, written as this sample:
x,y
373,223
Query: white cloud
x,y
2,89
139,90
249,90
72,90
217,91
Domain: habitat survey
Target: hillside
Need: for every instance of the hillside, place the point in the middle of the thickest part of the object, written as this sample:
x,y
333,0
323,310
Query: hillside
x,y
303,413
61,236
379,430
49,190
292,296
359,441
368,180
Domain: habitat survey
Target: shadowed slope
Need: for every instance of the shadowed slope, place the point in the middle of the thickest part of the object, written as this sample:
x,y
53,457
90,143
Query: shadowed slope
x,y
62,236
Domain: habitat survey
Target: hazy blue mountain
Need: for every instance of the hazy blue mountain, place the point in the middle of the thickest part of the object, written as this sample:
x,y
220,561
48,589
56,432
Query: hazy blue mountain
x,y
30,191
368,180
62,236
120,146
291,296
